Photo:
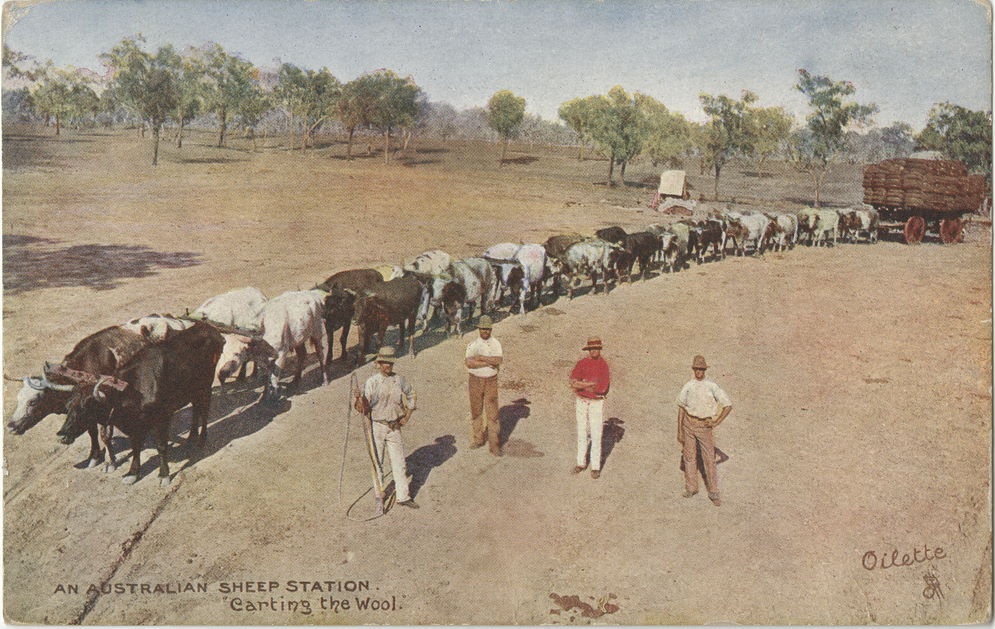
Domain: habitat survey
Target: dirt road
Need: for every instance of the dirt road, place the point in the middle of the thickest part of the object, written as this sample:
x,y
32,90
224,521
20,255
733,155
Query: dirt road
x,y
860,377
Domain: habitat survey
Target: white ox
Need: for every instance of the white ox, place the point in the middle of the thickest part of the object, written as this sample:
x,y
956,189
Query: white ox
x,y
521,266
287,323
477,282
434,262
786,233
857,220
748,229
826,222
807,218
156,327
239,308
591,258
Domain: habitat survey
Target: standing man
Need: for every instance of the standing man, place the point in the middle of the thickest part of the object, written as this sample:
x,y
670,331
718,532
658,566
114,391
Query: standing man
x,y
702,406
590,381
388,400
483,359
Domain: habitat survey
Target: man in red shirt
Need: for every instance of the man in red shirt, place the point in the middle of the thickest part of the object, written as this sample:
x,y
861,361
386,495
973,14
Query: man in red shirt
x,y
590,381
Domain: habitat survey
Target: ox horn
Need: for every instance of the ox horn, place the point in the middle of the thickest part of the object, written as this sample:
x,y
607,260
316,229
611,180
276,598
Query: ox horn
x,y
55,387
97,393
10,378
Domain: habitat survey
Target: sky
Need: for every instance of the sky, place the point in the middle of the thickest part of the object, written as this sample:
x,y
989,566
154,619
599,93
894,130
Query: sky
x,y
903,55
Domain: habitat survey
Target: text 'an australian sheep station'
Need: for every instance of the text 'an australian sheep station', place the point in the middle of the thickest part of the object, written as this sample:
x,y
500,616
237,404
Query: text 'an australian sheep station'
x,y
230,587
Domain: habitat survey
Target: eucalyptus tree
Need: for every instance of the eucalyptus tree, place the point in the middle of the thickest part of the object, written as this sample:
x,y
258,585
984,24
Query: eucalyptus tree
x,y
823,141
191,82
145,84
668,134
309,96
960,134
394,103
729,132
505,112
230,81
619,129
770,130
578,114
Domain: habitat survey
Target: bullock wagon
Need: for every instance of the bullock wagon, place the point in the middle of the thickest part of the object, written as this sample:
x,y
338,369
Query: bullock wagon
x,y
920,195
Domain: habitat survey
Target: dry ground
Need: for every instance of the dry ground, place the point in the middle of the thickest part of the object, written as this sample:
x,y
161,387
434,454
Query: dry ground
x,y
860,377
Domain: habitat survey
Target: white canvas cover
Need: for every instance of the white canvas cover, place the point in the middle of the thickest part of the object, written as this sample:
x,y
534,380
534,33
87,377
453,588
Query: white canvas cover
x,y
672,182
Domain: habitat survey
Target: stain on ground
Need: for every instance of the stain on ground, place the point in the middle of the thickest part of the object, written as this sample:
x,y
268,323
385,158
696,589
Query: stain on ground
x,y
601,607
877,380
522,449
552,311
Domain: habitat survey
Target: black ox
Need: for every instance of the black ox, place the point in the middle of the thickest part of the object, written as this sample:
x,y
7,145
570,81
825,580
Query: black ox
x,y
161,379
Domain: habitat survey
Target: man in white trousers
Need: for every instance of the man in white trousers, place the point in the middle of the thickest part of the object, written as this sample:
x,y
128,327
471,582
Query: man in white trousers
x,y
389,400
590,381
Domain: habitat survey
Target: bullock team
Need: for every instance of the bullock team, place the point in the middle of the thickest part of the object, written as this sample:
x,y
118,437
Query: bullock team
x,y
136,375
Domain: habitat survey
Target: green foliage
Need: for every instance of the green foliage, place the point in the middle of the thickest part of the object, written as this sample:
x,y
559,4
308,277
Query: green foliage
x,y
230,81
578,114
387,101
668,134
505,112
960,134
824,139
898,139
309,96
770,129
619,128
730,131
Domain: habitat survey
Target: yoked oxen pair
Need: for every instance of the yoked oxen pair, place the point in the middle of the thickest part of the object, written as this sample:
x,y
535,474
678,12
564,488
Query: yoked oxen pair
x,y
143,394
101,353
826,224
522,269
556,248
784,231
641,247
472,282
340,304
425,266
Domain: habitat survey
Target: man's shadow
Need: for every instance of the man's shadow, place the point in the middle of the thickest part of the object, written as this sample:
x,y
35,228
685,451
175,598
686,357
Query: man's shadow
x,y
421,462
720,457
611,433
510,415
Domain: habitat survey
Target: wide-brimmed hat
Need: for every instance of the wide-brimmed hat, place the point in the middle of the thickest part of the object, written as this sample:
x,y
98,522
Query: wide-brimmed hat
x,y
699,362
593,343
485,323
386,355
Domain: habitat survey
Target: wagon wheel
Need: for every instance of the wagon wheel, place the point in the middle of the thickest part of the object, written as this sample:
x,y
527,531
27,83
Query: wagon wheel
x,y
951,230
915,229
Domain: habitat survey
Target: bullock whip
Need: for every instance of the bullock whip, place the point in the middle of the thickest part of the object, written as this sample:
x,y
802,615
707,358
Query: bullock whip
x,y
376,471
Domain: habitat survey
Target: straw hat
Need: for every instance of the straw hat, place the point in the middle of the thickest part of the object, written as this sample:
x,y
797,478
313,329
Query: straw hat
x,y
387,355
485,323
593,343
699,362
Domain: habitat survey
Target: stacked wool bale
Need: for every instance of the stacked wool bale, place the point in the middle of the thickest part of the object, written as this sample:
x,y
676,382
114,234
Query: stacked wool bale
x,y
923,184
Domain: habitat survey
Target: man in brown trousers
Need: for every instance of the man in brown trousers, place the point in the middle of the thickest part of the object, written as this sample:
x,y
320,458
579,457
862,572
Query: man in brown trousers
x,y
702,406
483,359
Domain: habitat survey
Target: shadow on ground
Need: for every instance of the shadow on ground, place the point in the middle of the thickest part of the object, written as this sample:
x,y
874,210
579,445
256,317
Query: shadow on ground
x,y
31,263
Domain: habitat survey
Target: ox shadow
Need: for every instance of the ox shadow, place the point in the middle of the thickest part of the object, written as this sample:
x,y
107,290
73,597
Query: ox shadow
x,y
611,433
234,414
510,414
422,461
210,160
31,263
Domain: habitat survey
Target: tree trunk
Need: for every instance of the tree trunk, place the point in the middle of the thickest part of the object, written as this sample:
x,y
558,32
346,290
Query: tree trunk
x,y
179,135
504,150
580,152
252,136
386,145
155,146
718,172
223,118
407,139
58,125
611,170
621,173
348,150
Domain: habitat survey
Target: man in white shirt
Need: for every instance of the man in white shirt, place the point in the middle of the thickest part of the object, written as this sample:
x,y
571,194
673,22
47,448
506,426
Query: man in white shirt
x,y
702,406
483,359
388,400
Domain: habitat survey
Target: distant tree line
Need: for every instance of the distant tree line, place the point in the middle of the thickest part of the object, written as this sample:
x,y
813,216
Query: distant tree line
x,y
207,86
